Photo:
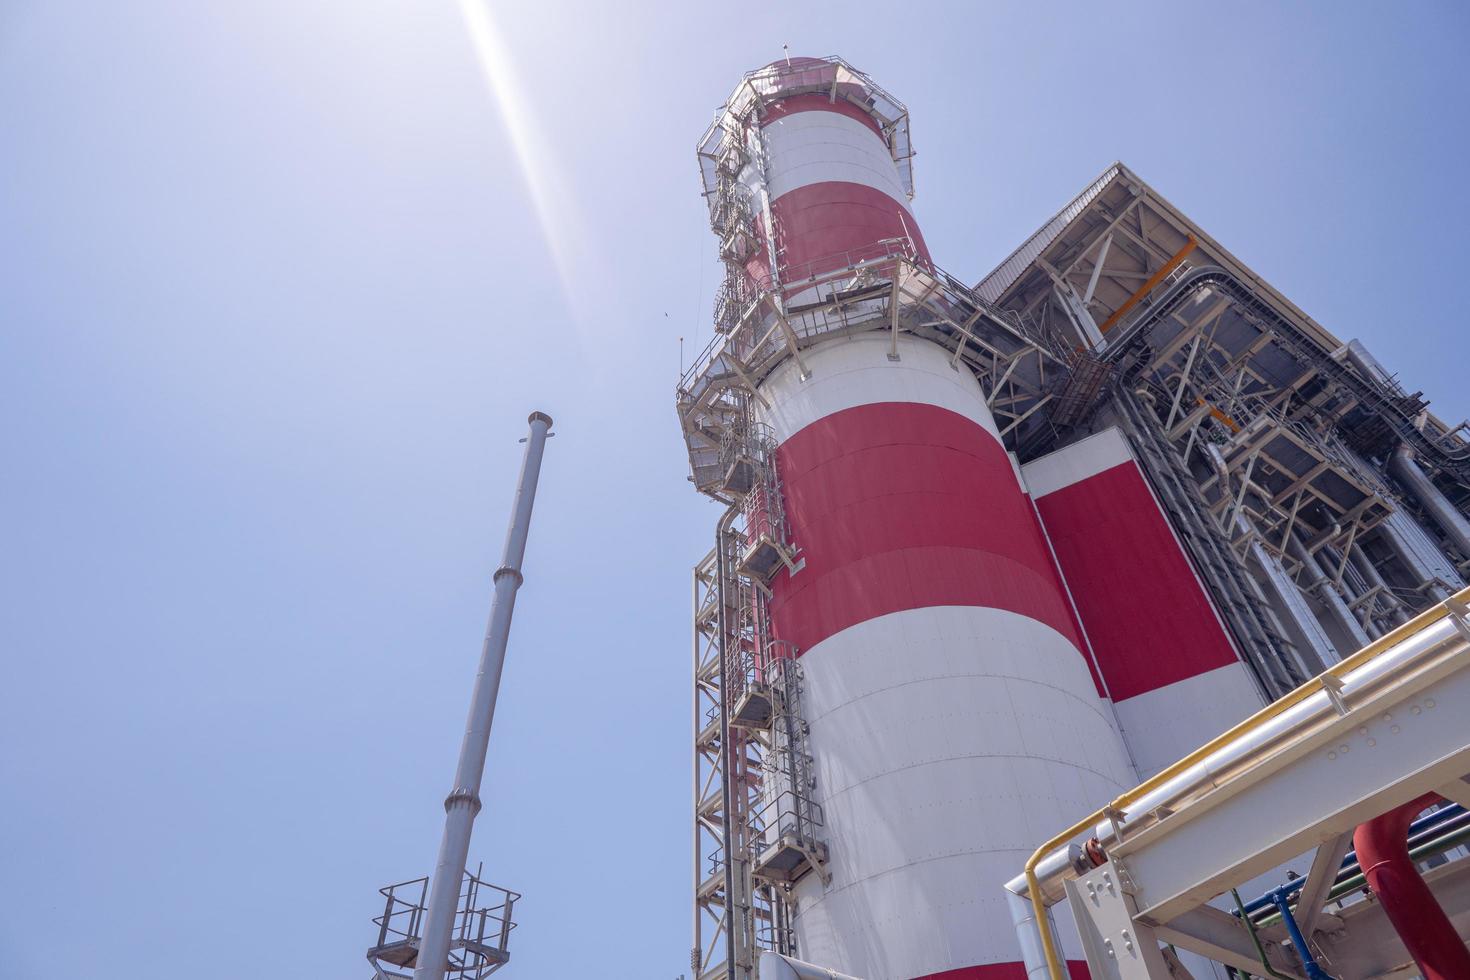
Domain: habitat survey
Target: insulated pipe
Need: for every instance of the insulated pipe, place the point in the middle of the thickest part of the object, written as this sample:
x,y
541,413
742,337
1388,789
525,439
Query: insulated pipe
x,y
727,843
1357,586
1023,918
1429,633
463,802
1366,568
1421,552
1331,601
1419,920
1403,466
774,966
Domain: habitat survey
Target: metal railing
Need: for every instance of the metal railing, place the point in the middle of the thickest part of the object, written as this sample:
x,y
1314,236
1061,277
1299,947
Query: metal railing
x,y
479,939
1328,680
830,76
793,815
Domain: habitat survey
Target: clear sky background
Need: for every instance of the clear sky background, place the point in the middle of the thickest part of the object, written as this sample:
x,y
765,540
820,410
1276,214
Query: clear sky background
x,y
279,283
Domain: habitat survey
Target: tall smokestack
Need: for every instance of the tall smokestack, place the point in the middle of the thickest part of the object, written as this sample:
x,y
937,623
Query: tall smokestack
x,y
896,568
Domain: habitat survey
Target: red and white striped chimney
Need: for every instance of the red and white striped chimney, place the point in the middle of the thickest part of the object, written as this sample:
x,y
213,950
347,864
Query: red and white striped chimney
x,y
954,723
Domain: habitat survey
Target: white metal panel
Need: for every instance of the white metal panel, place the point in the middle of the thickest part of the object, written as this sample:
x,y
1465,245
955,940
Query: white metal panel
x,y
948,741
853,371
993,286
1076,462
815,147
1169,722
1117,947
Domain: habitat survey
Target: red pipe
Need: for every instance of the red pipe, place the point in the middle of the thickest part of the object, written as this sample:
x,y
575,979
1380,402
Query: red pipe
x,y
1383,854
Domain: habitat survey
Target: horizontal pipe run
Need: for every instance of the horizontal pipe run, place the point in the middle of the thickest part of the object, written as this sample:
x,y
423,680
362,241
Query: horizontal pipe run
x,y
1358,673
1355,882
1350,860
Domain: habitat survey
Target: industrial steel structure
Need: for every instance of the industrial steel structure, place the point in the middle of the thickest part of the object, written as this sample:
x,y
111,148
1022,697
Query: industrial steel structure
x,y
992,554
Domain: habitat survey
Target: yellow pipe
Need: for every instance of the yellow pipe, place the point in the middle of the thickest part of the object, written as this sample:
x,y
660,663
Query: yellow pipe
x,y
1148,286
1393,637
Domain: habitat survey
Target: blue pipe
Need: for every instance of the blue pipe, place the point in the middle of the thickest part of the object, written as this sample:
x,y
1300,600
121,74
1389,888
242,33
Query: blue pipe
x,y
1309,964
1428,822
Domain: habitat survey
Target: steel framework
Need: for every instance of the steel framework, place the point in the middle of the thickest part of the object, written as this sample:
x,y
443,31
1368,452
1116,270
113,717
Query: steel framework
x,y
1278,450
1317,500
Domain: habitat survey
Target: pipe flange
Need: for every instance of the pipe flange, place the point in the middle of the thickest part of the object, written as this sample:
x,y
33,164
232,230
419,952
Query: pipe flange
x,y
462,794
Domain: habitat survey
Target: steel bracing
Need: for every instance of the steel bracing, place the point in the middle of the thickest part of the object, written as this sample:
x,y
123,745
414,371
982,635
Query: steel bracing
x,y
1278,450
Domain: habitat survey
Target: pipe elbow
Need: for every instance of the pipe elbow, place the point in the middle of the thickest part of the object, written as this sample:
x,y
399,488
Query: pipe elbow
x,y
1417,917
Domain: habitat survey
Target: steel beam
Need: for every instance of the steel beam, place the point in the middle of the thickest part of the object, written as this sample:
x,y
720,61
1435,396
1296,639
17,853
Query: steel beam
x,y
1396,742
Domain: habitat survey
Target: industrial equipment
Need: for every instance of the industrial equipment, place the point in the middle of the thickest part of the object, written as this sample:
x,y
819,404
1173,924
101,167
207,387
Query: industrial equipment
x,y
993,554
453,924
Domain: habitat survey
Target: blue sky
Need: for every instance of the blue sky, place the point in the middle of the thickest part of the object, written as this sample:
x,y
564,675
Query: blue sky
x,y
277,295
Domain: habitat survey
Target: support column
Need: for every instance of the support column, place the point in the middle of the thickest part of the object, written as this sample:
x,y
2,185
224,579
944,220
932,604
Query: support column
x,y
1406,470
1331,600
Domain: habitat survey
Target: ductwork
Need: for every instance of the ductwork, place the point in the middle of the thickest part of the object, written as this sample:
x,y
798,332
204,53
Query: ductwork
x,y
1406,470
1372,393
1383,854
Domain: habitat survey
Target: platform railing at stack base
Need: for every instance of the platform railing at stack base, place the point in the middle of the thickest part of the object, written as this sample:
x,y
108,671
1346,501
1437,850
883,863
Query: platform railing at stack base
x,y
1454,606
878,263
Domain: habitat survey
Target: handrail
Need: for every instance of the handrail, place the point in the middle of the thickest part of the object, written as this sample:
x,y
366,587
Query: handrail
x,y
1403,632
834,266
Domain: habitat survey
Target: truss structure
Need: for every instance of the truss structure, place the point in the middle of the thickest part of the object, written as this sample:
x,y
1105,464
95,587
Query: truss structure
x,y
1267,438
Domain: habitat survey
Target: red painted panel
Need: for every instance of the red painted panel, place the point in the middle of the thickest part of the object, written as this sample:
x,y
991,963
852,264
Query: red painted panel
x,y
825,220
899,506
1076,969
1146,614
812,102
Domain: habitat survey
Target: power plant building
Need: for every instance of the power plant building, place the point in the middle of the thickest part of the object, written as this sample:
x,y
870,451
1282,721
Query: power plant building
x,y
994,552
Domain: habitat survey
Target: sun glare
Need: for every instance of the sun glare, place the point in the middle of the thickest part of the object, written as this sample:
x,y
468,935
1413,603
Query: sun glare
x,y
560,227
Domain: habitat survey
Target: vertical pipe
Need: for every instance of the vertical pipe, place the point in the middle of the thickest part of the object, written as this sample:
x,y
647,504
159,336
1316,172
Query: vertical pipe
x,y
1365,567
1420,921
1303,952
463,802
1421,548
1331,601
696,943
1402,465
727,843
1023,918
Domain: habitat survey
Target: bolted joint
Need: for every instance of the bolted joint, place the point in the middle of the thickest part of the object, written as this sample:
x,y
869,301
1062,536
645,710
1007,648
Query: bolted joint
x,y
504,570
462,795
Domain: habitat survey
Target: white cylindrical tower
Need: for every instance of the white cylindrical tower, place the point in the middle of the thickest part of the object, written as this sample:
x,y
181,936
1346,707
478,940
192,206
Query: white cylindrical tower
x,y
821,171
952,721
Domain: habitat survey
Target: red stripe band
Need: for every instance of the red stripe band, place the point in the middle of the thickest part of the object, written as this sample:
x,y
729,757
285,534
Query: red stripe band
x,y
898,506
1076,969
824,220
1147,617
